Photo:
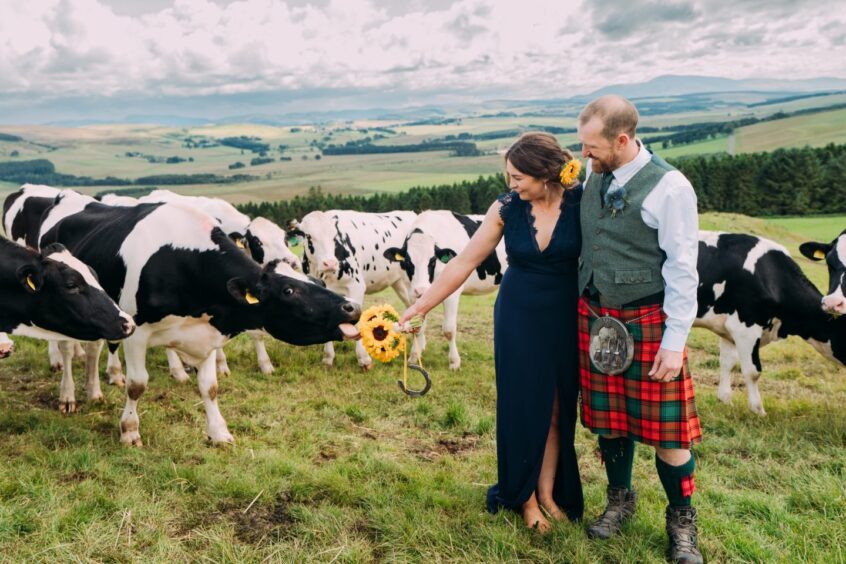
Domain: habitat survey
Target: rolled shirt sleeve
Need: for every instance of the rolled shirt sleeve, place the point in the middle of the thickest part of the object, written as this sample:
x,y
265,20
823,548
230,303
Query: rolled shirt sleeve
x,y
671,209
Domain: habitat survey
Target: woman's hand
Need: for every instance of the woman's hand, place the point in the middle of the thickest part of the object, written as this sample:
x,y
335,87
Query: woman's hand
x,y
413,310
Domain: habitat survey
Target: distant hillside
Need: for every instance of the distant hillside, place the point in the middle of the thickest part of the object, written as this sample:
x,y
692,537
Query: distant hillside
x,y
677,85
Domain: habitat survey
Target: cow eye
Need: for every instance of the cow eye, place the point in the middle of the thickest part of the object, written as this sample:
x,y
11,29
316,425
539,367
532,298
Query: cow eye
x,y
288,291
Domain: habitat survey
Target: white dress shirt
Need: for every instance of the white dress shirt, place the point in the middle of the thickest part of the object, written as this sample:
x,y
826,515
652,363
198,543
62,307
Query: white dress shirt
x,y
671,209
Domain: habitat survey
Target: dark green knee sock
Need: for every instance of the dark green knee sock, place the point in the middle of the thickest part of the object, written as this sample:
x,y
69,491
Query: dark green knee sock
x,y
677,480
618,455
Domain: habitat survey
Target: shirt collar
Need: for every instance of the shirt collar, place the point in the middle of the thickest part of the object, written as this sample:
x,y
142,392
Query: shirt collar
x,y
625,173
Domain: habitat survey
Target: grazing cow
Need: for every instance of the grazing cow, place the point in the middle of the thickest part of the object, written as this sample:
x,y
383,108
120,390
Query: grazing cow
x,y
189,288
834,254
233,222
53,295
346,250
751,293
434,239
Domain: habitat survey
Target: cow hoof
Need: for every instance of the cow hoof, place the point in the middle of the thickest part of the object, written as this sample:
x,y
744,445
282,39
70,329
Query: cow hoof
x,y
67,407
57,367
266,368
97,397
222,439
454,365
328,362
131,439
724,397
180,376
117,381
366,367
223,371
758,410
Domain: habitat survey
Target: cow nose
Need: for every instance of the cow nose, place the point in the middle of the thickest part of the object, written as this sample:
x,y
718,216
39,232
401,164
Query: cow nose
x,y
351,308
330,264
834,304
128,327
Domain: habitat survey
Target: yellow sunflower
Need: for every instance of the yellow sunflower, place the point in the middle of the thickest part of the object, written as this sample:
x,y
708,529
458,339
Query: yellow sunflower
x,y
570,172
378,335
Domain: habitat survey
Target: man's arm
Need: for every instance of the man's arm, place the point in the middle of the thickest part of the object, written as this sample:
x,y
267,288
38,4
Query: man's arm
x,y
671,209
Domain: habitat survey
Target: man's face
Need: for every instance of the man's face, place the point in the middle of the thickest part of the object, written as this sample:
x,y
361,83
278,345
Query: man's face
x,y
602,152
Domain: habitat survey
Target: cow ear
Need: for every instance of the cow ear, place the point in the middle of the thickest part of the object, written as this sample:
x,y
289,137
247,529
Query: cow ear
x,y
30,277
394,254
814,251
444,255
240,290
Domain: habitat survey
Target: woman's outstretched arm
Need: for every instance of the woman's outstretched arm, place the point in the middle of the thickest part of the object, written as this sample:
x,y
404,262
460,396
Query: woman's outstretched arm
x,y
483,243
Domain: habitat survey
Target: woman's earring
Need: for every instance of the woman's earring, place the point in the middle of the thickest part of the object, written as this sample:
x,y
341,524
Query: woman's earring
x,y
545,187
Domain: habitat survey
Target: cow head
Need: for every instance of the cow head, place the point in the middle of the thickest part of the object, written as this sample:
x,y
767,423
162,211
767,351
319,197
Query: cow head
x,y
421,260
268,242
294,309
322,247
62,298
834,254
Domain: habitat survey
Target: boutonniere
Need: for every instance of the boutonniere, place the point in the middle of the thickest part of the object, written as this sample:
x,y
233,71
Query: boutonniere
x,y
615,200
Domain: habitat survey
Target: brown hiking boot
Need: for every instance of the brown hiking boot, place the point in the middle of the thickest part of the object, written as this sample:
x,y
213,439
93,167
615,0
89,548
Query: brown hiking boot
x,y
681,528
622,503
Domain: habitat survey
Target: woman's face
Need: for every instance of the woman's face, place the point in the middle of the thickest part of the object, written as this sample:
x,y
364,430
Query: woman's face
x,y
527,187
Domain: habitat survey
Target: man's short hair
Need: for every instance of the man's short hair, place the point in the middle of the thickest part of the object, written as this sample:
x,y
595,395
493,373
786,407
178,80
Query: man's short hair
x,y
617,114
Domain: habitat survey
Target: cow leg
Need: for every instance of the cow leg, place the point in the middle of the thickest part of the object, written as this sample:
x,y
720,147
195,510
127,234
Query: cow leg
x,y
217,430
750,366
67,398
450,328
328,353
135,351
92,370
79,351
221,364
56,362
356,295
114,368
265,365
174,364
728,358
6,345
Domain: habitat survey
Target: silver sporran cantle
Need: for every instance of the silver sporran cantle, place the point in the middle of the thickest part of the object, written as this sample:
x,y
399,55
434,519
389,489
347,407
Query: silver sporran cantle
x,y
611,345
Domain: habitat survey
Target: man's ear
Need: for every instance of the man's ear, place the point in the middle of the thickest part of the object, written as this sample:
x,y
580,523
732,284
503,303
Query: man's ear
x,y
30,277
444,255
242,293
815,251
394,254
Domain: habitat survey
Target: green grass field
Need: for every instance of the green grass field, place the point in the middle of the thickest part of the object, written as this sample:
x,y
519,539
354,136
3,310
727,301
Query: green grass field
x,y
815,130
336,465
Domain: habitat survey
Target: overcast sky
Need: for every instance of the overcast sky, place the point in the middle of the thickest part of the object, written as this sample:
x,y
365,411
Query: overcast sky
x,y
417,51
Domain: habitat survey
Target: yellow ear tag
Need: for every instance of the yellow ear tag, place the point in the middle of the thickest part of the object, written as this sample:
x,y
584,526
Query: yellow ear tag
x,y
251,299
399,257
30,283
819,255
240,244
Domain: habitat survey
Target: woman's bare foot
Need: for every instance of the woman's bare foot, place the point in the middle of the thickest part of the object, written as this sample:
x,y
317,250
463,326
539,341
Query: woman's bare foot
x,y
533,516
551,509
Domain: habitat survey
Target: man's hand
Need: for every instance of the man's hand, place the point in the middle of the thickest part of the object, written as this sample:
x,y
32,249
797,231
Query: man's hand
x,y
667,365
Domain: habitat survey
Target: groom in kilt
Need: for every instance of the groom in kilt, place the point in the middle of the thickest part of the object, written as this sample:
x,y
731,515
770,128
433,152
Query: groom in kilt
x,y
638,280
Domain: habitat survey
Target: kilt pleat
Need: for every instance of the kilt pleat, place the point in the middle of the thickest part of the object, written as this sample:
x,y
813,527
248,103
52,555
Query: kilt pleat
x,y
630,404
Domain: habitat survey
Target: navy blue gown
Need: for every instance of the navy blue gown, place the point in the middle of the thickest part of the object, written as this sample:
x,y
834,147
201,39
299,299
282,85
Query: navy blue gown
x,y
535,347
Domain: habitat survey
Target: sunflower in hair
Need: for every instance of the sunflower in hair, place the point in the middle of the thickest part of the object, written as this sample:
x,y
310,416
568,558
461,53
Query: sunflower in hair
x,y
378,334
570,171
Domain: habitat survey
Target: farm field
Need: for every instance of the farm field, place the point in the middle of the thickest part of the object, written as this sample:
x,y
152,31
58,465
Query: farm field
x,y
99,151
338,465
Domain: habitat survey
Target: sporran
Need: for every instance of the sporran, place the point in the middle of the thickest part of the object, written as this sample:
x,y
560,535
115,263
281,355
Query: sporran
x,y
611,345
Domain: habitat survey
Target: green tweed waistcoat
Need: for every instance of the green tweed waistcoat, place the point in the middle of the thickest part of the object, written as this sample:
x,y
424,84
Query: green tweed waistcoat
x,y
621,253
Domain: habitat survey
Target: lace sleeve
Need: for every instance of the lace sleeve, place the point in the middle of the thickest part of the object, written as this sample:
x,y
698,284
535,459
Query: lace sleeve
x,y
505,200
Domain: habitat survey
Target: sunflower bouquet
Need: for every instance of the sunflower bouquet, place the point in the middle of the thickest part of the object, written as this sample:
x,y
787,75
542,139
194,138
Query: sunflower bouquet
x,y
380,333
570,171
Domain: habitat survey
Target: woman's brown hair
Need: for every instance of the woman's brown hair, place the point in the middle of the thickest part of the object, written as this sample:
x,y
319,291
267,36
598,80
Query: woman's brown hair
x,y
539,155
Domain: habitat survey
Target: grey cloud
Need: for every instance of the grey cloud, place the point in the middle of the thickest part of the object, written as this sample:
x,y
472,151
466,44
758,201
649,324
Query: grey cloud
x,y
463,29
621,19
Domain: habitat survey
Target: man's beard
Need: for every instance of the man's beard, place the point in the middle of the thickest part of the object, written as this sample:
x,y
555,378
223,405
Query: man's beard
x,y
607,166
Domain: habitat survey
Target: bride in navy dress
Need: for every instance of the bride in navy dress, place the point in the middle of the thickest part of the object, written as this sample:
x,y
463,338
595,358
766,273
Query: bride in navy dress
x,y
535,322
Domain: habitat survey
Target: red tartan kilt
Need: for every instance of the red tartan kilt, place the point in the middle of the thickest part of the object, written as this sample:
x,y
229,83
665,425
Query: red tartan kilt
x,y
630,404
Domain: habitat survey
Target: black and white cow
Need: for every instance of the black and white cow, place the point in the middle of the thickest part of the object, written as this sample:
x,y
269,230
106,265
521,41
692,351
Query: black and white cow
x,y
346,250
434,239
190,288
53,295
233,222
752,293
834,254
